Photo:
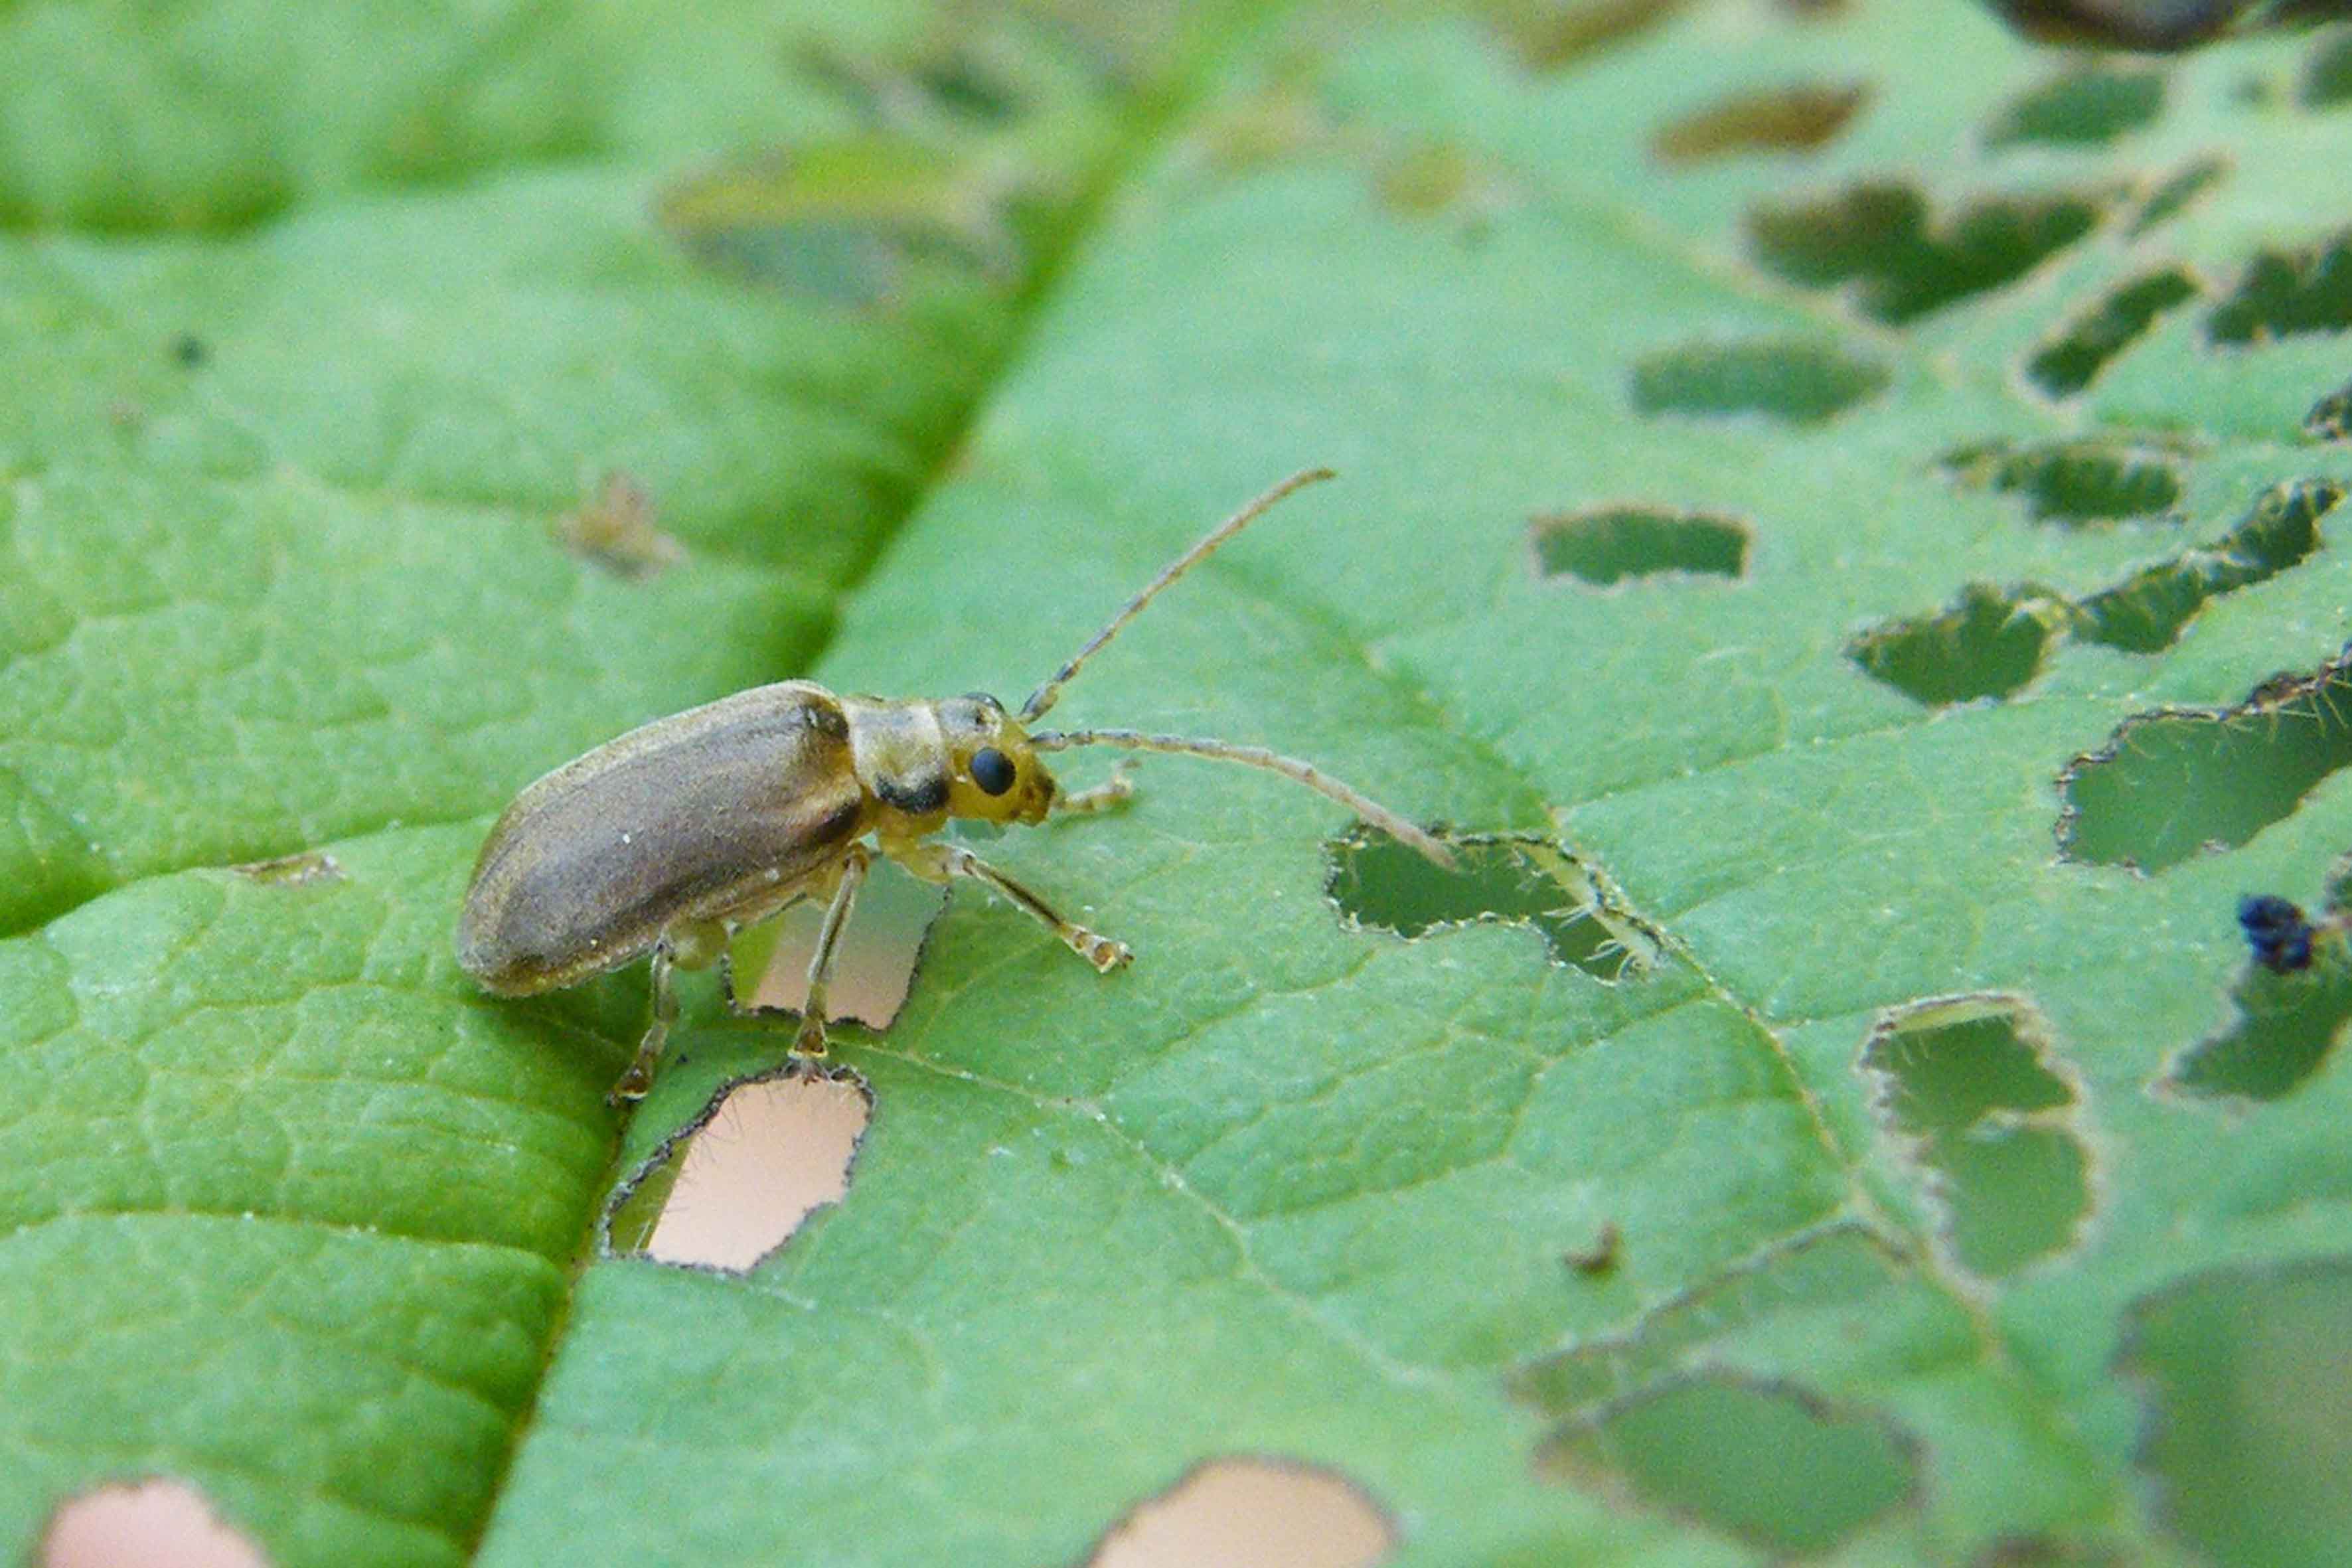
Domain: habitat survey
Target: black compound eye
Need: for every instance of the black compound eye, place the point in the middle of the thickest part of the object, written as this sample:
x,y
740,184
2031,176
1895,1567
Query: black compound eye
x,y
991,770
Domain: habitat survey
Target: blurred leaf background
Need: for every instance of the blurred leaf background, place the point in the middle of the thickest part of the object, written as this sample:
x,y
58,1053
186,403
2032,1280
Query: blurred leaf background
x,y
1789,451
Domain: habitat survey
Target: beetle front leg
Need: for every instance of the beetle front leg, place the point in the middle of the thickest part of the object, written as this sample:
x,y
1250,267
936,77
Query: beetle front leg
x,y
1108,795
808,1042
939,862
689,946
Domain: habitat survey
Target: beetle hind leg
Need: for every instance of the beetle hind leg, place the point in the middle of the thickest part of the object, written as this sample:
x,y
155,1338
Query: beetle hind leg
x,y
939,862
693,945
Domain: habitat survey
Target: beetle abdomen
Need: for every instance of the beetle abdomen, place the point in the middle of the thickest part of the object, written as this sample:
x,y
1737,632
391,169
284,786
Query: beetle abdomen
x,y
691,817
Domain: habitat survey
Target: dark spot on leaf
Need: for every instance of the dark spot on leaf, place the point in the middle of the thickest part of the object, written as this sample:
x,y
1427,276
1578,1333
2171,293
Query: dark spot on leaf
x,y
1380,883
2328,73
2067,363
2072,483
1550,34
2330,418
2283,292
1991,643
1796,119
297,870
1768,1463
2177,782
2245,1374
1800,379
190,352
1610,545
2088,105
1599,1258
616,529
2277,931
2173,195
1903,264
1252,1512
1965,1084
1433,177
2145,612
160,1520
733,1185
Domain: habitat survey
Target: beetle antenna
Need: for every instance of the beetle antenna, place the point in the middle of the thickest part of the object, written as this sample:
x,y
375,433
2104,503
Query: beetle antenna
x,y
1391,822
1045,696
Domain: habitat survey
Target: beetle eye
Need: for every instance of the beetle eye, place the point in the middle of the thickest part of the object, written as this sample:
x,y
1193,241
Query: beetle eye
x,y
991,770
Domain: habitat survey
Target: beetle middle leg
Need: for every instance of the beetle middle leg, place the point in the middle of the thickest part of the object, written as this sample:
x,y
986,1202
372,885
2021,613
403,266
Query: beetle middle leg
x,y
808,1042
694,944
939,862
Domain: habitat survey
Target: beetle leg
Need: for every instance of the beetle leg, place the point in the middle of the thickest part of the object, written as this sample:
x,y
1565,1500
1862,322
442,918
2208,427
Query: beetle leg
x,y
938,862
809,1040
691,945
1107,795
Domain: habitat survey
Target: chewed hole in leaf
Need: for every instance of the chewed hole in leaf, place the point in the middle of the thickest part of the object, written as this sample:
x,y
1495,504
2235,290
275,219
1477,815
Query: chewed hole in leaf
x,y
1550,34
2330,418
2287,1027
2121,24
733,1185
2246,1373
2283,292
873,966
1903,262
1992,643
1380,883
2091,105
2173,195
2071,482
863,222
1611,545
1252,1513
2145,612
160,1521
1800,379
1766,1463
2169,785
1795,119
2068,363
1966,1084
2327,72
616,528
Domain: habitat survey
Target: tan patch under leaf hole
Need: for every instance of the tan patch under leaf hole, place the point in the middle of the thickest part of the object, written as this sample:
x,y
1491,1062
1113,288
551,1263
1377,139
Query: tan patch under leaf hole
x,y
614,529
1967,1086
873,968
1252,1513
154,1523
732,1186
293,871
1794,119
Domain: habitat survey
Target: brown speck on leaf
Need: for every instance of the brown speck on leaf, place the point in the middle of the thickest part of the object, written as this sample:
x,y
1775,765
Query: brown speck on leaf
x,y
297,870
1601,1257
616,529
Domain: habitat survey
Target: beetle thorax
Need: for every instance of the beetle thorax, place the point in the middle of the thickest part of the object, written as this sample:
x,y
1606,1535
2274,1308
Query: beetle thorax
x,y
922,762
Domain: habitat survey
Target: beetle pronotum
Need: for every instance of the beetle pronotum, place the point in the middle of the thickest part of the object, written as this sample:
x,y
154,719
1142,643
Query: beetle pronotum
x,y
669,838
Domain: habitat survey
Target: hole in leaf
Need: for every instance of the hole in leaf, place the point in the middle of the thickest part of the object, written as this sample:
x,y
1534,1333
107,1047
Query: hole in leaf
x,y
2071,482
2092,105
1966,1084
2246,1373
1991,643
296,870
2169,785
1835,1273
733,1185
2172,197
1880,239
1550,34
2330,418
2327,72
1796,379
159,1522
1252,1513
2122,24
861,222
2067,363
2287,1025
1380,883
872,967
2283,292
1611,543
1767,1463
2145,612
1795,119
614,529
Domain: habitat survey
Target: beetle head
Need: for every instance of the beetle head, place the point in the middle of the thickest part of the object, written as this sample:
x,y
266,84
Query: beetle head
x,y
993,773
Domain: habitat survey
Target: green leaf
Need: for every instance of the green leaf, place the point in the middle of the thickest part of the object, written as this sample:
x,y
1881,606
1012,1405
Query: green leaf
x,y
1832,566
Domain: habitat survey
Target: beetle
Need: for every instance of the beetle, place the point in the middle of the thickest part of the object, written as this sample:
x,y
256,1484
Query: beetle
x,y
667,839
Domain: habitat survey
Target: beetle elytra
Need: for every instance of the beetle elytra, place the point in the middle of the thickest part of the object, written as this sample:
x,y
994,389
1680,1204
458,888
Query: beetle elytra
x,y
669,838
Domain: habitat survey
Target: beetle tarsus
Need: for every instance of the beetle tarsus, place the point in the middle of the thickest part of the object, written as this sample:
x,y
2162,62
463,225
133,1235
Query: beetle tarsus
x,y
1108,795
